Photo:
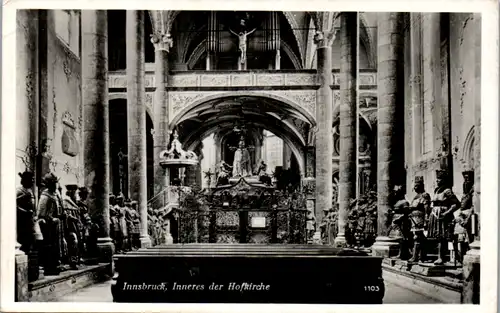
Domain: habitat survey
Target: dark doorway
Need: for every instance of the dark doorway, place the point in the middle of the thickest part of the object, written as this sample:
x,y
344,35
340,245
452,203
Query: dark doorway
x,y
118,147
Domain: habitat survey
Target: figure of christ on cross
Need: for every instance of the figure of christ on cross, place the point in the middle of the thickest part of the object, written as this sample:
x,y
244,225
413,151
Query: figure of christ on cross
x,y
242,37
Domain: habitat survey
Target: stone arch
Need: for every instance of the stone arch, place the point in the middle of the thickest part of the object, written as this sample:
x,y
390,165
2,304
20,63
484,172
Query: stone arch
x,y
366,38
467,156
172,15
114,96
177,117
297,151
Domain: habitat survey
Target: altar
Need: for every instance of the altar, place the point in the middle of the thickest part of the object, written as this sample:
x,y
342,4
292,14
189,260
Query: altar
x,y
244,241
244,213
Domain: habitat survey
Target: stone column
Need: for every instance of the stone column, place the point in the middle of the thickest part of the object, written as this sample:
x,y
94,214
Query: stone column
x,y
96,122
136,118
324,118
471,268
416,83
26,105
287,154
390,115
27,89
161,112
348,119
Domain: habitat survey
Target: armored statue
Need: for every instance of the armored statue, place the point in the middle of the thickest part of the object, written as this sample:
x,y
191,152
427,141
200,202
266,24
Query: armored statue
x,y
74,226
310,222
444,204
135,225
400,227
114,223
462,234
122,224
25,204
370,229
50,217
128,223
88,244
419,213
351,228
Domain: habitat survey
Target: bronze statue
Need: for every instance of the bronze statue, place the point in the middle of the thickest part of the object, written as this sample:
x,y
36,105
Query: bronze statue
x,y
114,223
444,204
74,226
128,223
122,224
400,227
136,224
50,216
419,212
88,244
462,234
370,229
25,203
351,228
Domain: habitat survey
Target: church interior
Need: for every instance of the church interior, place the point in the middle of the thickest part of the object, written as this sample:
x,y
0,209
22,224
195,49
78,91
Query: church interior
x,y
143,130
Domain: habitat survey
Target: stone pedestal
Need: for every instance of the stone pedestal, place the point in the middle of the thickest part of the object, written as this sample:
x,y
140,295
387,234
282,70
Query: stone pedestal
x,y
96,123
472,274
385,247
21,292
136,119
390,150
348,119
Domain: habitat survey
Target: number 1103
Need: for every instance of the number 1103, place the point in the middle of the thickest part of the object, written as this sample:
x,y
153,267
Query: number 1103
x,y
372,288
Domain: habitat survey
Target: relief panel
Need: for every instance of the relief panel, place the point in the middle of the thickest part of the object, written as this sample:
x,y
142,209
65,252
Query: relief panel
x,y
270,79
214,80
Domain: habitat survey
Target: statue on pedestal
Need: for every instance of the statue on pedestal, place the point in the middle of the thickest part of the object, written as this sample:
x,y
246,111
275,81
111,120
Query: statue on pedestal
x,y
419,212
135,226
88,246
74,226
25,204
400,226
50,216
127,218
121,244
462,234
242,166
444,204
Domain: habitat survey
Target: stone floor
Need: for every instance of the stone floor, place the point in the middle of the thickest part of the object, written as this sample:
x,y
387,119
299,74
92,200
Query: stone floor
x,y
102,293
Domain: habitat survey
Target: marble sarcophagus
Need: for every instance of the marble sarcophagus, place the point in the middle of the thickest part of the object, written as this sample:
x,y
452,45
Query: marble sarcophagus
x,y
248,273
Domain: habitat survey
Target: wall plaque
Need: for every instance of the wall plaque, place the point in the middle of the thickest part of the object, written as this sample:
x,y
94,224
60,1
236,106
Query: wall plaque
x,y
69,143
258,222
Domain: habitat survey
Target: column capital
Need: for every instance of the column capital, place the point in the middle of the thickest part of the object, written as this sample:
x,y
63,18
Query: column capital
x,y
325,39
162,41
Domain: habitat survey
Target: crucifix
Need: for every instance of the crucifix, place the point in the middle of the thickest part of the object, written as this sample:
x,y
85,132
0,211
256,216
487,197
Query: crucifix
x,y
242,44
